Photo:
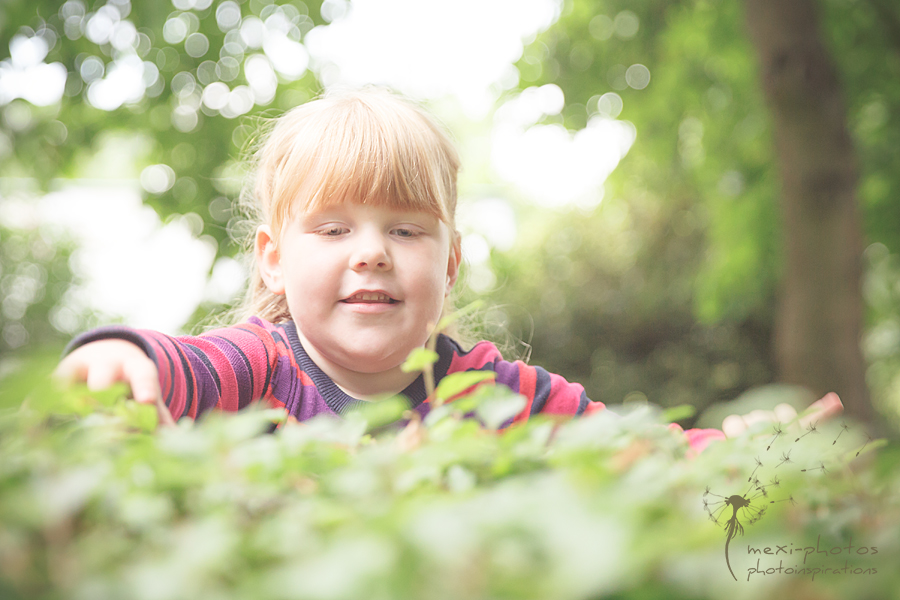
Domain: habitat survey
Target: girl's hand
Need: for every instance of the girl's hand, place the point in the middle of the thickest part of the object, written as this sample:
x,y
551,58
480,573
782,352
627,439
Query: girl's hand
x,y
820,410
102,363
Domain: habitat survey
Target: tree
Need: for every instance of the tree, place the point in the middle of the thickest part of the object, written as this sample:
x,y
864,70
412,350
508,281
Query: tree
x,y
819,325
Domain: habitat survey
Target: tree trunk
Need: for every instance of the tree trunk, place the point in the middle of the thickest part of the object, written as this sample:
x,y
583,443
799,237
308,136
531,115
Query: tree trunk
x,y
819,325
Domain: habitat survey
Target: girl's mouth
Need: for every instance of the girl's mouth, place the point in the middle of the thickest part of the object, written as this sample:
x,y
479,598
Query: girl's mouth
x,y
369,298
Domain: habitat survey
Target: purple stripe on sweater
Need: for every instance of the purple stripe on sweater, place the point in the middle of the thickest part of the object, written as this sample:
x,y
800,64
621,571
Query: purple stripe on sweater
x,y
507,374
285,383
207,382
313,403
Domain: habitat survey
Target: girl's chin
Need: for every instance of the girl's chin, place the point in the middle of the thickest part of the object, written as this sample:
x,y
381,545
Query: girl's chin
x,y
367,361
366,351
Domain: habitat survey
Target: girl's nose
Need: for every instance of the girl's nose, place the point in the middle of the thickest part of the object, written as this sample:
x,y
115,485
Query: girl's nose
x,y
370,253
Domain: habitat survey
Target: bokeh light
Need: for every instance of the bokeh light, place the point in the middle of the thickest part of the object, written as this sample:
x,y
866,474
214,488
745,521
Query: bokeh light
x,y
637,76
415,46
25,74
550,165
157,179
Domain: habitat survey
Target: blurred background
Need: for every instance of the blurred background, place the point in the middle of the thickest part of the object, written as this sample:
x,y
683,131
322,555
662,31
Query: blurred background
x,y
673,200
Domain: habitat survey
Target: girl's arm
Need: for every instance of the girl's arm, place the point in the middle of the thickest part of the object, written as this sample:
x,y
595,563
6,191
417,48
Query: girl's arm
x,y
548,393
225,368
101,364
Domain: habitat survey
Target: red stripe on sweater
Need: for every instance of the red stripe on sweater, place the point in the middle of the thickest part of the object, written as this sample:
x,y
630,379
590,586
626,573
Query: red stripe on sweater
x,y
564,396
228,397
527,385
482,354
180,356
249,342
166,351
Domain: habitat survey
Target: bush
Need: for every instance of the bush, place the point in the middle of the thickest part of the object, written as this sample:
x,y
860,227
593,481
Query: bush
x,y
96,503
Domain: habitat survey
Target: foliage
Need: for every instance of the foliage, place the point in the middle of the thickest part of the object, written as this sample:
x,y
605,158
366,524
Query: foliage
x,y
606,310
189,142
667,290
703,158
34,278
684,253
94,504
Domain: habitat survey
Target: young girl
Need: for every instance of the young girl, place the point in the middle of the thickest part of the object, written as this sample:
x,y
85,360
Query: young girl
x,y
356,255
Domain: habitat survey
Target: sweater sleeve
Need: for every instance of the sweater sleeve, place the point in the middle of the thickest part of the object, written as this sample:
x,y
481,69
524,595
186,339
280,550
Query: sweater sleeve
x,y
550,394
544,392
224,368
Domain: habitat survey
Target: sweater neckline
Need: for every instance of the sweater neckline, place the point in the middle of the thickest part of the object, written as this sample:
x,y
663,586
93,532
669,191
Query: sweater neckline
x,y
341,402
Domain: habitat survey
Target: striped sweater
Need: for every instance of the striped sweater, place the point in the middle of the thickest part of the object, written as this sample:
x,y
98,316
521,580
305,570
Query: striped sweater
x,y
229,368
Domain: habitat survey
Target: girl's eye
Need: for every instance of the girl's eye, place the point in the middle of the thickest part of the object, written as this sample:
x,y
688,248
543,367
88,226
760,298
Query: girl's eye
x,y
404,232
331,231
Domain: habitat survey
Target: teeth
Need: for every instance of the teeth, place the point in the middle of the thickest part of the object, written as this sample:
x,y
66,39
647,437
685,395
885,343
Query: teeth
x,y
369,297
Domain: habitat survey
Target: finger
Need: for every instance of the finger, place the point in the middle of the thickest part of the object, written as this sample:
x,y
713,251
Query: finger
x,y
830,403
101,376
142,377
759,416
822,409
733,426
144,381
70,370
785,413
164,417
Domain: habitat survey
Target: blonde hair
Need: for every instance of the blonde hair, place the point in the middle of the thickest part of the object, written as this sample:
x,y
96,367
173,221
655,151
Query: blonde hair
x,y
368,146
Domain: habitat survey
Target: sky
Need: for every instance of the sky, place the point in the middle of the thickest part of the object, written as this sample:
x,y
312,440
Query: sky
x,y
153,274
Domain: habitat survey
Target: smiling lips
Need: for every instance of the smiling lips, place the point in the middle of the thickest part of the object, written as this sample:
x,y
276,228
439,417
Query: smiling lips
x,y
369,298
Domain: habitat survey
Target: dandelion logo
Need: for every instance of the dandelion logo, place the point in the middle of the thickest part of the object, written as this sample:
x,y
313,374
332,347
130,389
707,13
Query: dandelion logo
x,y
749,507
743,507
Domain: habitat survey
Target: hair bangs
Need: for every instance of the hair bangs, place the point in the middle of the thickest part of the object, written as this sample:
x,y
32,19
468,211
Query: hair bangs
x,y
367,153
372,167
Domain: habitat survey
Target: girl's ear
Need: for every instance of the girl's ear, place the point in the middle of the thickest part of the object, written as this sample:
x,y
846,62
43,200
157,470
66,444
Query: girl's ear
x,y
268,260
454,262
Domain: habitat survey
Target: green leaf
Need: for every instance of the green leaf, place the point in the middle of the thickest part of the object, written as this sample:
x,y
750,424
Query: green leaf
x,y
28,375
419,360
77,399
460,479
678,413
137,415
111,395
379,413
497,409
456,383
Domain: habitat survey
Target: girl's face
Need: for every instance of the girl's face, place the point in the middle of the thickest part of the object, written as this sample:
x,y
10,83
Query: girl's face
x,y
364,284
